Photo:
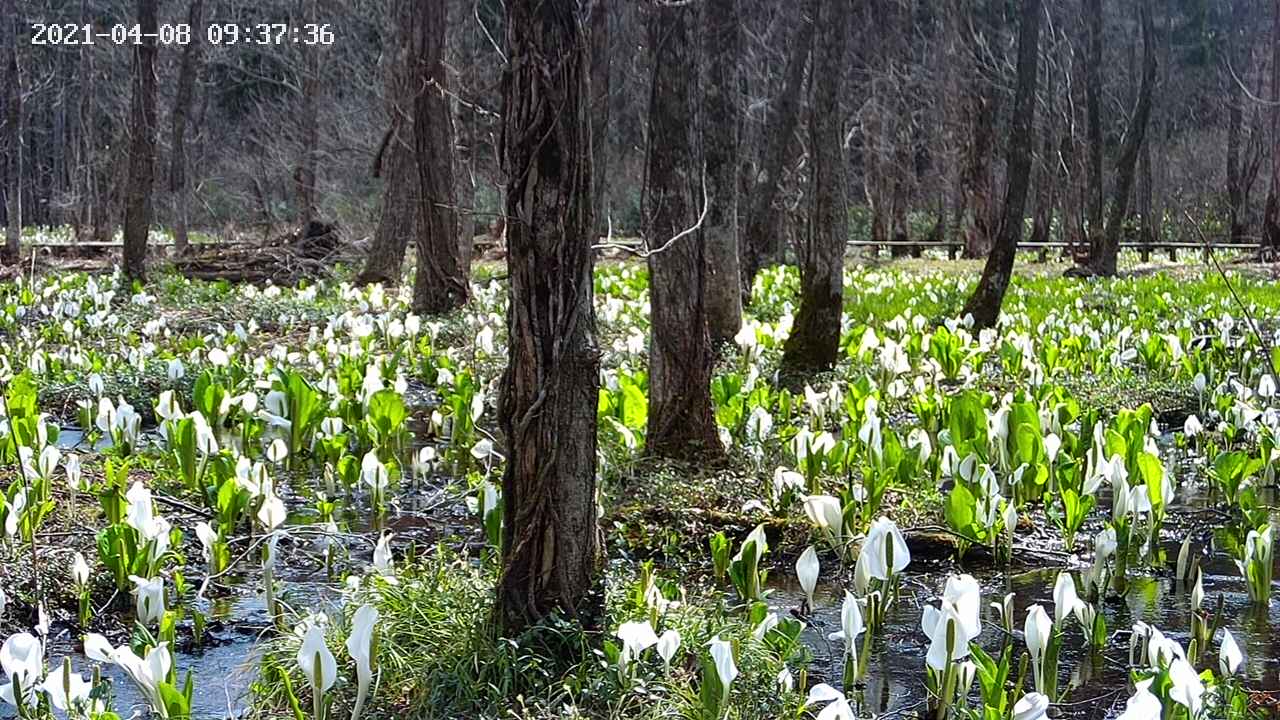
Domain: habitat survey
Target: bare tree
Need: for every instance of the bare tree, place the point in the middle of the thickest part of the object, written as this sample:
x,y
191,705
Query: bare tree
x,y
815,336
601,47
1094,182
551,543
1271,214
987,298
721,129
12,131
142,147
396,161
1107,252
760,241
440,284
681,421
981,107
181,113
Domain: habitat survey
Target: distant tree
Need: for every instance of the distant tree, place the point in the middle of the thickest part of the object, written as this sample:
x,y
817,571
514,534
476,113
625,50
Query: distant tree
x,y
721,134
1094,182
13,116
981,107
1103,261
306,172
396,162
988,296
142,147
815,335
681,421
601,63
760,244
551,542
440,284
1271,214
178,184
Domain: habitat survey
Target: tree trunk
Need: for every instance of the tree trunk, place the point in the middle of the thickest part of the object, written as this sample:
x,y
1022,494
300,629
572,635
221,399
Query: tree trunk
x,y
396,162
305,174
762,217
551,541
1104,263
1235,179
1093,100
181,108
600,67
982,105
681,422
987,298
142,147
815,336
1271,213
13,133
721,129
440,284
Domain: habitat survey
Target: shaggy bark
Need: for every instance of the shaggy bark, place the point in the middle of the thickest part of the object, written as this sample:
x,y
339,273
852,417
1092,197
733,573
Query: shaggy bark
x,y
760,242
681,421
1104,262
721,131
142,147
987,298
815,336
551,542
440,284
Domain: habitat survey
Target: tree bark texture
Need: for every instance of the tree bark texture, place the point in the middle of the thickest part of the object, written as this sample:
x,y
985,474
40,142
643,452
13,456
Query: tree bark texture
x,y
721,133
987,298
815,335
681,421
440,284
551,541
142,147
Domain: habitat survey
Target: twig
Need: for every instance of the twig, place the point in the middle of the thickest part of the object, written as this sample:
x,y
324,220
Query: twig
x,y
1253,325
643,253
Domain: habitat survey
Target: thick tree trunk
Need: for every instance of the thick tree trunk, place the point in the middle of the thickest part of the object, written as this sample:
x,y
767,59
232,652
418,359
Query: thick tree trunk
x,y
440,284
982,106
1271,213
987,298
815,336
142,147
396,162
681,422
1104,263
760,240
600,68
721,130
181,109
551,541
12,132
1093,100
